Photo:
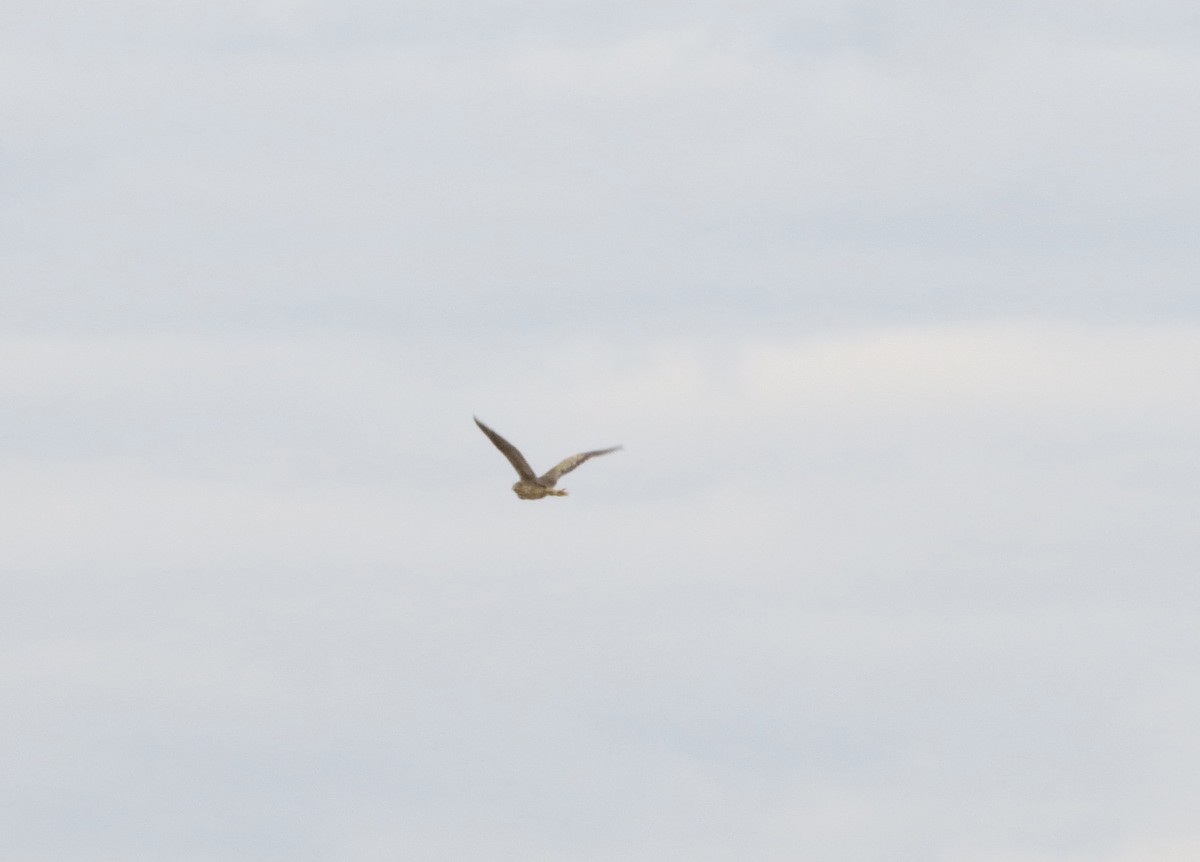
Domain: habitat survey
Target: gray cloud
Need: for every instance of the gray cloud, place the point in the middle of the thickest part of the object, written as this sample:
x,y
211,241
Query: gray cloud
x,y
415,184
893,313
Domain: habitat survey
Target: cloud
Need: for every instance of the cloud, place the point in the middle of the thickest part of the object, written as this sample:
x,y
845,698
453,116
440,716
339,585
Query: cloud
x,y
700,171
214,442
893,313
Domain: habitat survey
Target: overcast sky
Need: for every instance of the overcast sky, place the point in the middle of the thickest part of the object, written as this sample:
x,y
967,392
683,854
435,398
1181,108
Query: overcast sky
x,y
894,308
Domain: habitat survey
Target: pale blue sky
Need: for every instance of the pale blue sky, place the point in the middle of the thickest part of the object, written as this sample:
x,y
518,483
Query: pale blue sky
x,y
893,308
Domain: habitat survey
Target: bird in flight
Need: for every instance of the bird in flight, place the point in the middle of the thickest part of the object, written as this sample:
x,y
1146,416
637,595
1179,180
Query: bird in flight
x,y
532,486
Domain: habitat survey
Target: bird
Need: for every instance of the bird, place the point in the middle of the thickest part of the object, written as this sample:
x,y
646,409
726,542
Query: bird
x,y
531,486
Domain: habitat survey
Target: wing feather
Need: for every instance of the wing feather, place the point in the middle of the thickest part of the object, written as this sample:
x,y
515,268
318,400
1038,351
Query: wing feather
x,y
510,452
565,466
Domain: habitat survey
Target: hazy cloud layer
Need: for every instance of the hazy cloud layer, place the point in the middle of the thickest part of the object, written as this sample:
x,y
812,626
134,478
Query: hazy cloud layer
x,y
893,310
206,168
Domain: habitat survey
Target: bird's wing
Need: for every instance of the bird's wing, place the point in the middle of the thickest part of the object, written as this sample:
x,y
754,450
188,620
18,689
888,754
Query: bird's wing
x,y
568,464
510,452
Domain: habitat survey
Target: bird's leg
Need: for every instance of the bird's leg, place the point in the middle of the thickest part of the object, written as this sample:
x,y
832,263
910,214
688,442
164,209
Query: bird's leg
x,y
559,492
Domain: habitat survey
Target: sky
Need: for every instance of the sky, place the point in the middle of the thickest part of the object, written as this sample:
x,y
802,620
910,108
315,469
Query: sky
x,y
894,309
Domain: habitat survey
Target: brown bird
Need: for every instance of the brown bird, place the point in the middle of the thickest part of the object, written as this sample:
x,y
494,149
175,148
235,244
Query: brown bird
x,y
531,486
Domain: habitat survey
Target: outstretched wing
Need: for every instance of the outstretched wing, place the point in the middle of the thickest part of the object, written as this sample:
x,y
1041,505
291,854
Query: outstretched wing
x,y
510,452
568,464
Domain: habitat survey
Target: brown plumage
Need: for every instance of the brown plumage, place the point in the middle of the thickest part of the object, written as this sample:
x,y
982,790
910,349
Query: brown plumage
x,y
531,486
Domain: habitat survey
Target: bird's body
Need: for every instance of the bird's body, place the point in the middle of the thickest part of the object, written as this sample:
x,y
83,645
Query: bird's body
x,y
527,490
531,486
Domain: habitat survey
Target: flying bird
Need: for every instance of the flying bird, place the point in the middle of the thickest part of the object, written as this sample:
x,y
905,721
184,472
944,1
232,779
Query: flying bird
x,y
532,486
